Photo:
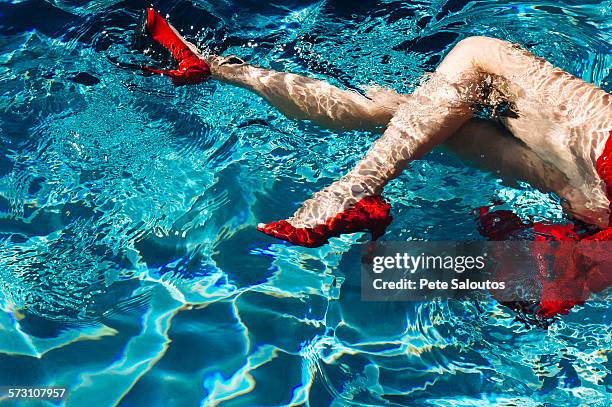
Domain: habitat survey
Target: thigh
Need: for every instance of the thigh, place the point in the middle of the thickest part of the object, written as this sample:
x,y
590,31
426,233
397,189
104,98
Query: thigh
x,y
560,118
489,146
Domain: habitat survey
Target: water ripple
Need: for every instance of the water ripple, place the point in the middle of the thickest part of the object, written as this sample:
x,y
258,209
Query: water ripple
x,y
130,267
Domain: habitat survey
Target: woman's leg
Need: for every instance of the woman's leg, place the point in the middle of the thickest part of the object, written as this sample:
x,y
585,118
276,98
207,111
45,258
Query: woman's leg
x,y
431,115
478,70
480,143
295,96
562,120
303,98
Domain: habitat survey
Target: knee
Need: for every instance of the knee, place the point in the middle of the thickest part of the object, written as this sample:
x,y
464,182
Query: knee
x,y
476,41
473,53
478,46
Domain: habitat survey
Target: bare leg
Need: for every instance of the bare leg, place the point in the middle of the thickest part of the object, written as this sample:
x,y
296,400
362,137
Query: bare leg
x,y
482,70
304,98
488,146
427,119
480,143
296,96
563,121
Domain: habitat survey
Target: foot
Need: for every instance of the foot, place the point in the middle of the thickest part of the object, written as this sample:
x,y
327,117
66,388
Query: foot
x,y
192,68
331,213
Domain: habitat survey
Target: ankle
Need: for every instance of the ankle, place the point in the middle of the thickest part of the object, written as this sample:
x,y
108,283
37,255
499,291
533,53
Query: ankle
x,y
362,186
226,68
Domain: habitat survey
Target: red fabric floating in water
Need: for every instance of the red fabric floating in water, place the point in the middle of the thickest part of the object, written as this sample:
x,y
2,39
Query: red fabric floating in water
x,y
604,169
578,270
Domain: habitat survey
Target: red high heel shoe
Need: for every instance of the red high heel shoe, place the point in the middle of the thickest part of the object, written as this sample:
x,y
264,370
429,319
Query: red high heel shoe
x,y
370,213
192,68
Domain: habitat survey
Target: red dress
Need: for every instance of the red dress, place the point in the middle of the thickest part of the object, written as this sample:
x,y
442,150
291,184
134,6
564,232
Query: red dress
x,y
578,270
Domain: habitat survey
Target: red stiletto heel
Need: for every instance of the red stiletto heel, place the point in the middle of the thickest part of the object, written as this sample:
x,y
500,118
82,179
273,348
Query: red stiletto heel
x,y
192,68
370,213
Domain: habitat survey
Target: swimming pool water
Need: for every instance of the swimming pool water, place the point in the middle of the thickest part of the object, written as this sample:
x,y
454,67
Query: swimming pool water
x,y
130,268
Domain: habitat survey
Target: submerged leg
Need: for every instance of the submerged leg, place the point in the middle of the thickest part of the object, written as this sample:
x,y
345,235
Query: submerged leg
x,y
478,70
297,97
303,98
433,113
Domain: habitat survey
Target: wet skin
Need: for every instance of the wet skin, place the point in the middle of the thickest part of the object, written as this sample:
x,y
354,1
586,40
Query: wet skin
x,y
558,123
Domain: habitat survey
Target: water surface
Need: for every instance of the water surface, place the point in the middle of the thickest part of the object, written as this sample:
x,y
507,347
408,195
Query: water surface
x,y
130,268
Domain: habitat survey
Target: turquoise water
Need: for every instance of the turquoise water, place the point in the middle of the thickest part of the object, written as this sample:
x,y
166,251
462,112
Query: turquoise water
x,y
130,268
